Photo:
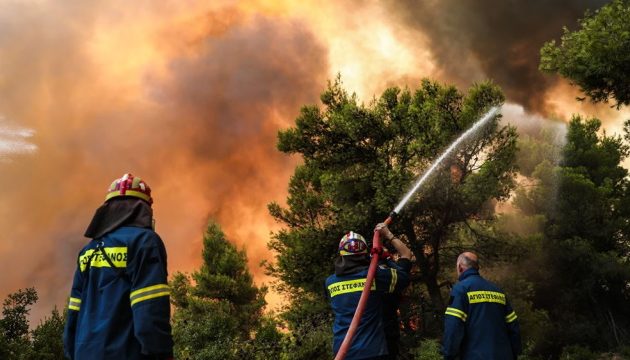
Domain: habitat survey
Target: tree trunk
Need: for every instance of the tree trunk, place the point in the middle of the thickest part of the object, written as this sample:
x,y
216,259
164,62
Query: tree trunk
x,y
434,292
428,264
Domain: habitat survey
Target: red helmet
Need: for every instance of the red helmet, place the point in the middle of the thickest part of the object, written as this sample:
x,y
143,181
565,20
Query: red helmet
x,y
352,244
129,185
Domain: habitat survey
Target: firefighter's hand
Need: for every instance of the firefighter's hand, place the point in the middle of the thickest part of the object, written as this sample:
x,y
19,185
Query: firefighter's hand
x,y
382,228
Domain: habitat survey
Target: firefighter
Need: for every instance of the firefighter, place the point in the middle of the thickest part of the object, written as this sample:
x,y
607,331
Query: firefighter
x,y
391,302
479,321
119,303
344,289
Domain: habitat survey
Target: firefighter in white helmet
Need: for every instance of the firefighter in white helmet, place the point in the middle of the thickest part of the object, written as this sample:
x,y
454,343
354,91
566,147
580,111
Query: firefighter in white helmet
x,y
344,289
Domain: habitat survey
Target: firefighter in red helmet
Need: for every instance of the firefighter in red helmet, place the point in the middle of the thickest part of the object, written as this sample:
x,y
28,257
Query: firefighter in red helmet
x,y
119,303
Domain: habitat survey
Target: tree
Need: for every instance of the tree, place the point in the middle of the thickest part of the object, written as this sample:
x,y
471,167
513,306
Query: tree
x,y
580,274
590,239
597,56
359,160
14,333
218,309
48,338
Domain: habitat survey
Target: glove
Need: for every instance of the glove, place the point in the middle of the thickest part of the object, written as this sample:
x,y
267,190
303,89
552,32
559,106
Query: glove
x,y
384,231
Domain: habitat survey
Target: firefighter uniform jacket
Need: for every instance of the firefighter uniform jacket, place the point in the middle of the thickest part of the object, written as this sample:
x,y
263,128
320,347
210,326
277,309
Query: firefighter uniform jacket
x,y
391,304
479,322
119,304
344,293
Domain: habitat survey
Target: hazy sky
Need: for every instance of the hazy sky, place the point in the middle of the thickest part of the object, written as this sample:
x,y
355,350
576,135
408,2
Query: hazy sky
x,y
190,97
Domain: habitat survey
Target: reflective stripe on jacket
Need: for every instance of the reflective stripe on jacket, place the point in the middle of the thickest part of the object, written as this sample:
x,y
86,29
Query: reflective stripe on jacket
x,y
121,312
344,293
479,322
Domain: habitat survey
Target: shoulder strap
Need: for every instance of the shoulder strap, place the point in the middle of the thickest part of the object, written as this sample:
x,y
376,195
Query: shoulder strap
x,y
119,271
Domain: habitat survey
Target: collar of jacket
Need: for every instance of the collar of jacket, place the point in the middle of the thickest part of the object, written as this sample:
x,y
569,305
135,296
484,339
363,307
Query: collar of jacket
x,y
351,264
467,273
118,212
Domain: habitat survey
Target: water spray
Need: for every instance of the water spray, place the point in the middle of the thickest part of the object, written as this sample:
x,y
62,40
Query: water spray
x,y
376,242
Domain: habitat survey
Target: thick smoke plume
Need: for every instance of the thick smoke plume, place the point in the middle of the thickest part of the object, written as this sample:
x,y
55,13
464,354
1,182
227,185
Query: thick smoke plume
x,y
190,97
474,40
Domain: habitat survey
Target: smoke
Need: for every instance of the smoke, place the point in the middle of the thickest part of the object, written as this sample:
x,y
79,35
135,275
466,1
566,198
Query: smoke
x,y
14,140
500,40
188,96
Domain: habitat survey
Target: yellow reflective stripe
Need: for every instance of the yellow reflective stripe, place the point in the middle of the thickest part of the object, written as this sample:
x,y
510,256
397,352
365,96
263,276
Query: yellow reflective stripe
x,y
150,296
456,315
147,289
344,287
475,297
74,304
456,312
138,194
511,317
392,286
118,256
149,292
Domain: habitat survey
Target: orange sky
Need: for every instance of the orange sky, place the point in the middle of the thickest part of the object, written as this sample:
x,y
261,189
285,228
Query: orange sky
x,y
190,97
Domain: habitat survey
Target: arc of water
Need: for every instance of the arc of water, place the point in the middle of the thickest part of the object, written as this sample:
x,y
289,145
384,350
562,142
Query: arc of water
x,y
354,325
479,124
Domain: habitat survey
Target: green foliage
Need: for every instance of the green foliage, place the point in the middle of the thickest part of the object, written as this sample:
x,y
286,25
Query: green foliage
x,y
15,309
359,160
14,324
428,350
309,321
47,338
537,149
17,342
269,342
218,308
313,345
579,271
597,56
536,326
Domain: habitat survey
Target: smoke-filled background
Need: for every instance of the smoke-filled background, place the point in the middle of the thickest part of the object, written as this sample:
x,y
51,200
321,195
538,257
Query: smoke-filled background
x,y
190,96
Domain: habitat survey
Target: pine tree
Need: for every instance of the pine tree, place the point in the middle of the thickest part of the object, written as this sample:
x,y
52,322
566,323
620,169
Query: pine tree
x,y
218,309
47,338
578,268
14,335
358,162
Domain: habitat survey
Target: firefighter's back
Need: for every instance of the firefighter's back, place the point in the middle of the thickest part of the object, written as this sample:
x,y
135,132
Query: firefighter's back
x,y
105,325
486,332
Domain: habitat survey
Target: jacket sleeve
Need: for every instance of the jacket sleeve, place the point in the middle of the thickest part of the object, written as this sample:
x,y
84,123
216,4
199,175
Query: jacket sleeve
x,y
74,306
149,296
514,330
391,280
454,323
404,265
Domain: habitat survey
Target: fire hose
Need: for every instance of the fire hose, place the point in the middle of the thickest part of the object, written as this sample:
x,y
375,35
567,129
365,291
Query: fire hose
x,y
376,241
356,320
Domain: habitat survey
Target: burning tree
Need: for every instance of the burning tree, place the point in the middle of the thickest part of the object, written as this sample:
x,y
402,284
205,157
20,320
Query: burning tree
x,y
360,159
